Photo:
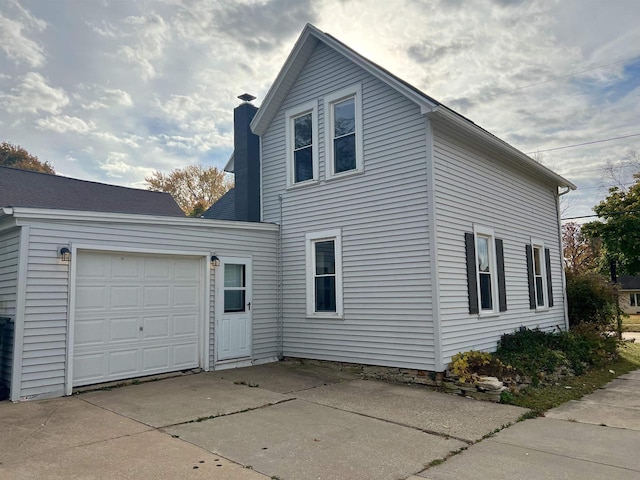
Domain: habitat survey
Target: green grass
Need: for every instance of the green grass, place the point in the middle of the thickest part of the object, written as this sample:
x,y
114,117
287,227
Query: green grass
x,y
631,323
543,398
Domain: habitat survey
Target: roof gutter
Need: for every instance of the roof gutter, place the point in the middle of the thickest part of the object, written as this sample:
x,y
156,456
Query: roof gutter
x,y
451,117
6,210
128,218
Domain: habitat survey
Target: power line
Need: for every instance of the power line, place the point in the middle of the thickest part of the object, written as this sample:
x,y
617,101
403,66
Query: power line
x,y
608,214
561,77
585,143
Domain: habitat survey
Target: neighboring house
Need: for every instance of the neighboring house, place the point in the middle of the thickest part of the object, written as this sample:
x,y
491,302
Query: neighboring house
x,y
629,294
368,224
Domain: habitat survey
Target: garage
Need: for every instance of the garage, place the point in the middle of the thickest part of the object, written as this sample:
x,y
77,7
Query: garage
x,y
135,315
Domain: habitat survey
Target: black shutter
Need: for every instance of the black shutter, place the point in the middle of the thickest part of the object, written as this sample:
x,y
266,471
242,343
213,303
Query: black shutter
x,y
502,289
532,288
472,282
548,266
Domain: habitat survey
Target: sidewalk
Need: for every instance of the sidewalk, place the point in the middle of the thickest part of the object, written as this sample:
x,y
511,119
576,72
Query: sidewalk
x,y
592,438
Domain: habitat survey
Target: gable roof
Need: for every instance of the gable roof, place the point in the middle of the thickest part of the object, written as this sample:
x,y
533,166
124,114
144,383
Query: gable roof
x,y
302,51
224,208
629,282
25,188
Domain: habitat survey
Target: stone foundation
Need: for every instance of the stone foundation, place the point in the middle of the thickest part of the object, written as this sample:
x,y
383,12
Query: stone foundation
x,y
388,374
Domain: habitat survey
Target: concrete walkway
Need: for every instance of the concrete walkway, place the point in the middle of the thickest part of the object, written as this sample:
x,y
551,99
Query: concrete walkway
x,y
592,438
282,420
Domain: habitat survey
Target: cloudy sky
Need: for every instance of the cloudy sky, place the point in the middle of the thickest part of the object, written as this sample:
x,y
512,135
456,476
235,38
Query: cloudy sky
x,y
111,90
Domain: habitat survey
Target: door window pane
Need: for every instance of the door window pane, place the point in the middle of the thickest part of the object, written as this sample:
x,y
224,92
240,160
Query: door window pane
x,y
234,301
234,275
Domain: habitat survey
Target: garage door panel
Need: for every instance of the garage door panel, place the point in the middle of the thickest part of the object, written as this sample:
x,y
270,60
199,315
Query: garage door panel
x,y
184,355
155,327
125,296
157,270
123,329
91,298
185,325
154,358
156,296
186,296
135,315
89,332
94,267
186,270
124,267
89,366
123,362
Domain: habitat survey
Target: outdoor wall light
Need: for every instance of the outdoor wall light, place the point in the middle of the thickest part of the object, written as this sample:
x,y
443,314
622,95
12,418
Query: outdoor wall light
x,y
215,261
65,254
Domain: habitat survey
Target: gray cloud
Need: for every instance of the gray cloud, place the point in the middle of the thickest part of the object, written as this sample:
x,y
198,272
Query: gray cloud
x,y
14,40
34,95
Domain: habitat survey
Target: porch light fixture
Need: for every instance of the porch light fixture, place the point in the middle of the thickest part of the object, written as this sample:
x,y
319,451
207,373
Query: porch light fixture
x,y
215,261
65,254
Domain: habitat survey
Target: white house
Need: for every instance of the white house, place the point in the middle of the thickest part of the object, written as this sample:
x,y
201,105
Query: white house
x,y
382,228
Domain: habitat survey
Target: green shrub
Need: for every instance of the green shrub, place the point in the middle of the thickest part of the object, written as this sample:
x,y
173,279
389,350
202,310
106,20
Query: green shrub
x,y
532,352
591,299
466,364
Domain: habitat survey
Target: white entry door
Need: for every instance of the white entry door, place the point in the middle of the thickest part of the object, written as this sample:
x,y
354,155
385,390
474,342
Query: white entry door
x,y
135,315
233,308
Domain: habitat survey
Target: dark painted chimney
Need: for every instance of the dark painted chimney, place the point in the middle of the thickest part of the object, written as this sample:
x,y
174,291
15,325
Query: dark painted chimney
x,y
246,163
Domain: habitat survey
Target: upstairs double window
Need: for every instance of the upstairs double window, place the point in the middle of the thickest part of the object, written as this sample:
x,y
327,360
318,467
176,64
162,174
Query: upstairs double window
x,y
342,137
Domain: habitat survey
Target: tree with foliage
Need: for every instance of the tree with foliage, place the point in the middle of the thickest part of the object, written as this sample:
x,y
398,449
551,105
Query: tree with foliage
x,y
17,157
580,254
194,187
619,228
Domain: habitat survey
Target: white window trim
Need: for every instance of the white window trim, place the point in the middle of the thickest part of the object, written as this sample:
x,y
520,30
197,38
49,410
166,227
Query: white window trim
x,y
311,238
536,243
290,115
354,91
479,230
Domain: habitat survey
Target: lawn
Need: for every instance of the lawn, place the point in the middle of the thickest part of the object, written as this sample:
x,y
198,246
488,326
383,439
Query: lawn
x,y
541,399
631,323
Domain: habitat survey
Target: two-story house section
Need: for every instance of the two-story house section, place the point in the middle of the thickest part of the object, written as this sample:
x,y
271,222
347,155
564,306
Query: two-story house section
x,y
407,232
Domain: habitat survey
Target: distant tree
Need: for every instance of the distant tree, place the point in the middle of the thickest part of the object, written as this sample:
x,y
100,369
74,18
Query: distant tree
x,y
194,187
581,254
619,228
17,157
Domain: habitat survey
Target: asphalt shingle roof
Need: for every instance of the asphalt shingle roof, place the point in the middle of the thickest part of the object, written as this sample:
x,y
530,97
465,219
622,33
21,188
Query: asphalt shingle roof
x,y
224,208
629,282
25,188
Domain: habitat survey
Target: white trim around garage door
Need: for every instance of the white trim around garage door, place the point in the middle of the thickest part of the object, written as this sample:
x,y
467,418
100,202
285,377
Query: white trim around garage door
x,y
205,318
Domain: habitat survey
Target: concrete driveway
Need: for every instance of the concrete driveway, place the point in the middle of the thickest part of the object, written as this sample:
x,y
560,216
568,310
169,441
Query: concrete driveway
x,y
284,420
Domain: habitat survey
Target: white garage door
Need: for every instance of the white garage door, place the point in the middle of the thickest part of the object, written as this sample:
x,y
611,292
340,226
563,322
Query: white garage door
x,y
135,315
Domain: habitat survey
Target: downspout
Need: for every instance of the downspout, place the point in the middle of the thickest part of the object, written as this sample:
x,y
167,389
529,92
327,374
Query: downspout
x,y
563,276
279,319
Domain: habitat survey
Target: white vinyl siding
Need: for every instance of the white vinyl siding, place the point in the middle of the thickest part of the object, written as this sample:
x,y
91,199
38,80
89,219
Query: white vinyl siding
x,y
9,255
382,214
474,186
47,289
